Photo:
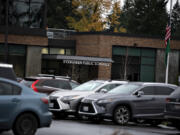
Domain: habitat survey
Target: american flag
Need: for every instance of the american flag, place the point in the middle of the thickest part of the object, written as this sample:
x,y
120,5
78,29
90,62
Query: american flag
x,y
168,34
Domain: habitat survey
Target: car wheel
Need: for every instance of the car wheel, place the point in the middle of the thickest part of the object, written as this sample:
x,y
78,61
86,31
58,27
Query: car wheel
x,y
25,124
121,115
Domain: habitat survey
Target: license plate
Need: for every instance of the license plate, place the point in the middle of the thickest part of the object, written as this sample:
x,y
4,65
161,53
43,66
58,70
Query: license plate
x,y
85,108
51,105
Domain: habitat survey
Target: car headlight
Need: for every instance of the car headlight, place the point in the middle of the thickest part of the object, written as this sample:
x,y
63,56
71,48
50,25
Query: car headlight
x,y
104,101
69,98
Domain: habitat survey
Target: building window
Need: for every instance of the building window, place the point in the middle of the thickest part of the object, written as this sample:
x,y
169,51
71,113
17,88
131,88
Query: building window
x,y
16,57
23,13
44,51
2,12
57,51
134,64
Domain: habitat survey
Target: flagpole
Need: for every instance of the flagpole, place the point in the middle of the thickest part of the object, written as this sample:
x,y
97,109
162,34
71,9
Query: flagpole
x,y
167,66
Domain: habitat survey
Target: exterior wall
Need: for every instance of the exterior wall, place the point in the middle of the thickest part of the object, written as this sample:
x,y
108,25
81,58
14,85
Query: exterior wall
x,y
100,45
25,40
33,61
104,72
173,66
87,45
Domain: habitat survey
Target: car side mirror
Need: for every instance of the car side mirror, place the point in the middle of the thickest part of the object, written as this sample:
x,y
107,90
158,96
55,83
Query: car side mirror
x,y
140,93
103,91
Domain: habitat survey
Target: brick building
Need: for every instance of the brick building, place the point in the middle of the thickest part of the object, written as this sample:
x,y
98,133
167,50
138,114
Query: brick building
x,y
83,56
140,57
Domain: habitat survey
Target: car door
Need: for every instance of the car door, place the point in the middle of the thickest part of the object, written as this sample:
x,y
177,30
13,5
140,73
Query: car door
x,y
9,101
144,104
161,93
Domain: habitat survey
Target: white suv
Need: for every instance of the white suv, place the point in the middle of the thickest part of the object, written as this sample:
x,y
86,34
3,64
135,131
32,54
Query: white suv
x,y
64,102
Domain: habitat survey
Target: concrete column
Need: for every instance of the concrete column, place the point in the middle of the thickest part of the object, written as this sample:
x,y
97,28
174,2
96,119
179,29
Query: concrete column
x,y
33,60
161,67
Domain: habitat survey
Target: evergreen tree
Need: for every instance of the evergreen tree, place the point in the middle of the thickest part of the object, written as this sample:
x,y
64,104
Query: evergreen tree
x,y
114,18
175,20
57,10
126,13
87,15
145,16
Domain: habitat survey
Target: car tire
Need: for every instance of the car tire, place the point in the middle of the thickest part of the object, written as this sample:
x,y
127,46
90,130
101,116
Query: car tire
x,y
25,124
121,115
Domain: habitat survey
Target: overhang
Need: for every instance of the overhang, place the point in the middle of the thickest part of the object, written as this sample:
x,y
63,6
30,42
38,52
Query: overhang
x,y
80,60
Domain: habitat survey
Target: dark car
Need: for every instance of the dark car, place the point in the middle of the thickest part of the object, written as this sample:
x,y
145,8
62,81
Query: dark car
x,y
22,109
172,109
49,83
129,102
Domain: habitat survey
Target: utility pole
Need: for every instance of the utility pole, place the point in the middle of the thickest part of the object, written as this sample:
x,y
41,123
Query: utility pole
x,y
6,32
125,64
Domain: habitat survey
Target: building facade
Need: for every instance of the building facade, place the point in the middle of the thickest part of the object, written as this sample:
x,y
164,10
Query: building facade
x,y
32,49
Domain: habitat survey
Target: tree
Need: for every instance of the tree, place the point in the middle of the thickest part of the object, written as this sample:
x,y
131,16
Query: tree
x,y
57,12
176,20
145,16
87,15
114,18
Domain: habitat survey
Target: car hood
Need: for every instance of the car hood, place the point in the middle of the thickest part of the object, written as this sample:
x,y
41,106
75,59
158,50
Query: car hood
x,y
98,96
71,93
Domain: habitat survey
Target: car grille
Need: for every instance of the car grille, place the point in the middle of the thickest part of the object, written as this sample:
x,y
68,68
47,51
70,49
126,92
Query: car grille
x,y
89,106
55,104
87,101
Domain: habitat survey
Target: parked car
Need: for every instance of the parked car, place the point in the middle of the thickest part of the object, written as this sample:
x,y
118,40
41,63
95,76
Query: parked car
x,y
49,83
6,71
172,109
68,102
22,109
128,102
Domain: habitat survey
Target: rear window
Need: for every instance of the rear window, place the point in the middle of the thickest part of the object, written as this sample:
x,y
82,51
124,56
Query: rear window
x,y
9,89
176,93
160,90
55,83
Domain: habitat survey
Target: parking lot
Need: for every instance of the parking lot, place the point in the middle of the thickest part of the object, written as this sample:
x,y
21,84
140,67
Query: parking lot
x,y
76,127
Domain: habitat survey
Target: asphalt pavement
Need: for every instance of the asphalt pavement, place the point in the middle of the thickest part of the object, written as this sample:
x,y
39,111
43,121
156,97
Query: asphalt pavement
x,y
74,127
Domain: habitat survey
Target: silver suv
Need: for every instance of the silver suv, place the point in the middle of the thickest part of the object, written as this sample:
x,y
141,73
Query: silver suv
x,y
68,102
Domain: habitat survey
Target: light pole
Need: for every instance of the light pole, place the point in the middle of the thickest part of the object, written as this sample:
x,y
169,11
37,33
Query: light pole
x,y
6,32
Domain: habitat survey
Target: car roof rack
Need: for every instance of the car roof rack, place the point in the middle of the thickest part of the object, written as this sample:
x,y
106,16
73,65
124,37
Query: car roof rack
x,y
53,76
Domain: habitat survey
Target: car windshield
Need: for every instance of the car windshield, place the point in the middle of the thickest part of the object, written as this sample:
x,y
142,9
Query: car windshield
x,y
125,89
88,86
